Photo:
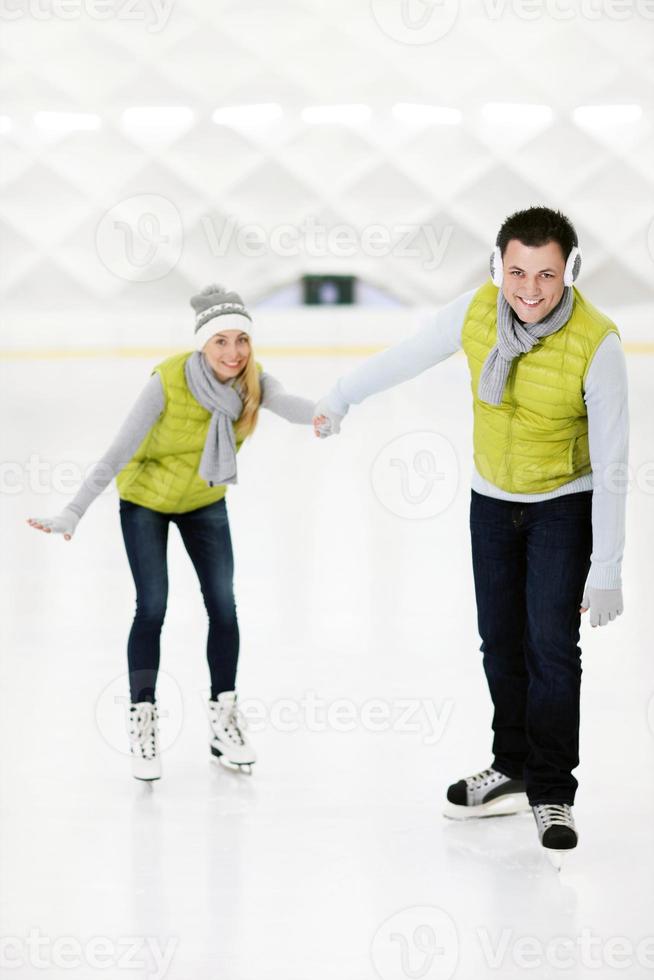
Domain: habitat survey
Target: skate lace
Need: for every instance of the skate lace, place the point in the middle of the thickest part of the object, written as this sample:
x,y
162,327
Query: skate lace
x,y
555,813
233,724
479,778
144,729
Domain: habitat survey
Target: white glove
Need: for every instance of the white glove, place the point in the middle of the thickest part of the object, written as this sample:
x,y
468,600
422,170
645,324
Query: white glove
x,y
605,605
64,523
330,424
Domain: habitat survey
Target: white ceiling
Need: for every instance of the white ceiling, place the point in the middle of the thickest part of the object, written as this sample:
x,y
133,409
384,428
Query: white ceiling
x,y
61,208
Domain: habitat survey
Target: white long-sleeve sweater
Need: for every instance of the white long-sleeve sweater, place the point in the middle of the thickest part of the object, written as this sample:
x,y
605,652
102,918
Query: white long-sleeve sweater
x,y
605,395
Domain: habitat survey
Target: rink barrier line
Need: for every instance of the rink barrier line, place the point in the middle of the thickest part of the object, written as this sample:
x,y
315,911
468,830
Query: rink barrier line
x,y
330,351
634,347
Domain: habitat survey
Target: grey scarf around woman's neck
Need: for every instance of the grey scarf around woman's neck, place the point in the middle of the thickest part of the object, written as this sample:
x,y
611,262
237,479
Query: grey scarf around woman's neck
x,y
218,463
515,338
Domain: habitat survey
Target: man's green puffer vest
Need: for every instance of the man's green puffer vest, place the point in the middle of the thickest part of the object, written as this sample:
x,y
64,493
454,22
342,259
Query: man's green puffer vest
x,y
537,439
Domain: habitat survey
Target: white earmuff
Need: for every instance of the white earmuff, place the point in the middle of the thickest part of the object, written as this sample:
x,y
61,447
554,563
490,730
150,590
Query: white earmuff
x,y
572,266
496,267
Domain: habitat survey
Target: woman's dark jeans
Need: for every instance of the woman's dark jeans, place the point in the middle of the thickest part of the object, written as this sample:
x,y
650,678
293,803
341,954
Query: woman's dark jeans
x,y
206,537
530,563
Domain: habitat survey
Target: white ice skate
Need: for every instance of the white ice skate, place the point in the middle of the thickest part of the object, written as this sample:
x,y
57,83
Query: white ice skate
x,y
486,794
229,745
142,723
556,830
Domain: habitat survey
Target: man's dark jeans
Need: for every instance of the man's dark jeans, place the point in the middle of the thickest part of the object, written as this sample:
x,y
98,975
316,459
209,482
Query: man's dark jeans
x,y
206,537
530,563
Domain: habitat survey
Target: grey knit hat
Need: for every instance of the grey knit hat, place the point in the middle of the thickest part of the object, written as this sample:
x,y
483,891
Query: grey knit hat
x,y
216,309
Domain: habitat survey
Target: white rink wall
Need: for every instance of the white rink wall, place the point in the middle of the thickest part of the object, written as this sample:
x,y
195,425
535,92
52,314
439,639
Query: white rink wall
x,y
335,327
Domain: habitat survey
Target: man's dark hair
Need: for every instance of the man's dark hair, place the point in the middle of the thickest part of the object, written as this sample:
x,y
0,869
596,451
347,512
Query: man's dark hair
x,y
538,226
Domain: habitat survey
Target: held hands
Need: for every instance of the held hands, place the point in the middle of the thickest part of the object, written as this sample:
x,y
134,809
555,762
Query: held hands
x,y
64,523
605,605
325,421
322,427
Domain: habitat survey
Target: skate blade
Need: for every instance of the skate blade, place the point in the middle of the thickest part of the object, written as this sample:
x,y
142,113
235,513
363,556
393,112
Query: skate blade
x,y
555,857
145,787
503,806
146,774
220,760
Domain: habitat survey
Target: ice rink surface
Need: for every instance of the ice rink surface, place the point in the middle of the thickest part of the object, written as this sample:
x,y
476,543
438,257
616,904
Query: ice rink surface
x,y
362,678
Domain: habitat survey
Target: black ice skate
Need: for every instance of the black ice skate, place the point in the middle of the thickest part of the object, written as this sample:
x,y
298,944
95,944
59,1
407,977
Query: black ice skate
x,y
486,794
556,830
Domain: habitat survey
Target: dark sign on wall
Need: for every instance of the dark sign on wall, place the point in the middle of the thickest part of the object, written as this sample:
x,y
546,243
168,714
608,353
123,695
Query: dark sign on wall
x,y
328,290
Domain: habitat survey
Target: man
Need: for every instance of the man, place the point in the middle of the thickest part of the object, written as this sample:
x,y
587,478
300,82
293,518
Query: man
x,y
549,390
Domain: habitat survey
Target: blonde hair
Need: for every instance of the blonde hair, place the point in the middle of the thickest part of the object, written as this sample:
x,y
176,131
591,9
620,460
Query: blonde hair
x,y
249,388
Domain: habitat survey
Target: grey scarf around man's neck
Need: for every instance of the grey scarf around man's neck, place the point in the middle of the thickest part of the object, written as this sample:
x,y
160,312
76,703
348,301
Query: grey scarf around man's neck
x,y
218,463
515,338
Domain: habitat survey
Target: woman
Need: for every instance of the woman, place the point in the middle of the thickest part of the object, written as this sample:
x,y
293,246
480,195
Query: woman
x,y
173,458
